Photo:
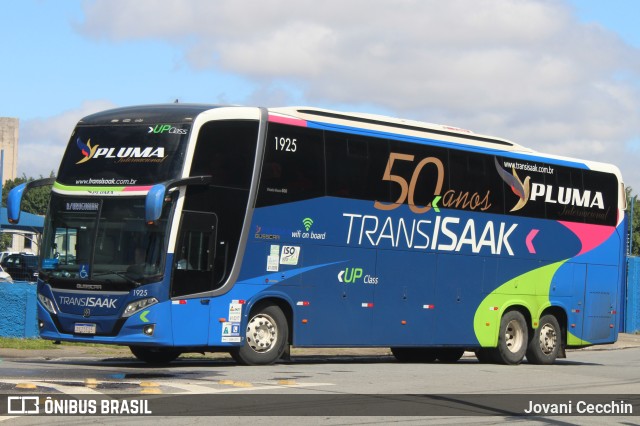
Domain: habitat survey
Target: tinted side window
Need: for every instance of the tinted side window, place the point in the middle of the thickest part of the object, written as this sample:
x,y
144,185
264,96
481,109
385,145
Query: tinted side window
x,y
293,167
469,183
423,167
355,166
226,151
558,192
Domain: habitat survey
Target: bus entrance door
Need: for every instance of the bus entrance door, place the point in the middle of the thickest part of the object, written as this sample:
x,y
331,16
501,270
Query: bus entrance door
x,y
192,275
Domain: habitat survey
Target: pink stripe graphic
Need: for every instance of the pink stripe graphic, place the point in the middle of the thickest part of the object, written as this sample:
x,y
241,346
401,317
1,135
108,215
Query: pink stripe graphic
x,y
136,188
287,120
591,236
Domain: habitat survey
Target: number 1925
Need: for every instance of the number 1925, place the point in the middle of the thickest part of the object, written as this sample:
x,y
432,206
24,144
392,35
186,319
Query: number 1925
x,y
286,144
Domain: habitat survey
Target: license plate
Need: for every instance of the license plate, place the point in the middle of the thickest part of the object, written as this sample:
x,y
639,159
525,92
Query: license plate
x,y
84,328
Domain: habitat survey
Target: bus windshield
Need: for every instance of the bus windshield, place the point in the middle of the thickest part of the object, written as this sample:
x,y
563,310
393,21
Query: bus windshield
x,y
102,240
123,154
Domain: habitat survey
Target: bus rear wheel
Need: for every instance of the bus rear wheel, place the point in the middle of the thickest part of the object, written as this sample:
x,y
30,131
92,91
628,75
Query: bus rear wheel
x,y
545,343
512,339
154,356
266,337
414,355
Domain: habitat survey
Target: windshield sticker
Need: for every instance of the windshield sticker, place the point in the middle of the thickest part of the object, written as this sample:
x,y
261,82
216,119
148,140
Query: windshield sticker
x,y
167,128
84,270
100,190
125,154
50,263
87,150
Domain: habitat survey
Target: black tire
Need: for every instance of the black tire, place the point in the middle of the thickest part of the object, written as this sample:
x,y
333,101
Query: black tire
x,y
414,355
155,356
449,355
266,338
545,342
513,339
486,355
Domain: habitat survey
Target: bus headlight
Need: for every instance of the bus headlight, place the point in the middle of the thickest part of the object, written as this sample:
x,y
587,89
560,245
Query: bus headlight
x,y
47,303
138,305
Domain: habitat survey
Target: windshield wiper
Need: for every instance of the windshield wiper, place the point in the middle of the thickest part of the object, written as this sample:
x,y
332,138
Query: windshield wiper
x,y
119,274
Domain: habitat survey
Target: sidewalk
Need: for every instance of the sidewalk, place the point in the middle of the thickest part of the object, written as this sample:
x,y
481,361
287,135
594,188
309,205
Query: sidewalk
x,y
624,341
72,351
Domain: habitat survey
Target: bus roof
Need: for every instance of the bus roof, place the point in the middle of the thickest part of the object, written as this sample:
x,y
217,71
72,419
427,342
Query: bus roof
x,y
170,113
456,135
180,113
396,125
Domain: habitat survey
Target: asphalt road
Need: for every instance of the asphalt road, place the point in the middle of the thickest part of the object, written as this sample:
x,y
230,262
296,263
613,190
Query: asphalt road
x,y
324,386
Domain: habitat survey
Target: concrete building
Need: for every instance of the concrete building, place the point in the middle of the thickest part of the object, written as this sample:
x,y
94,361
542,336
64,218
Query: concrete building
x,y
9,144
21,241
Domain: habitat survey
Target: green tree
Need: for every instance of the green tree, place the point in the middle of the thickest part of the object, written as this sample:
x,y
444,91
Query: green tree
x,y
633,205
5,241
35,200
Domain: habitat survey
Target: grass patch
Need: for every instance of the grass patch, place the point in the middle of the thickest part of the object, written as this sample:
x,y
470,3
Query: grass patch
x,y
21,343
41,344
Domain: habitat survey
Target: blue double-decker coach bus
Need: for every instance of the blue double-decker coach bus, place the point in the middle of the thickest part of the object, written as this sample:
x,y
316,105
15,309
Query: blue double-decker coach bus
x,y
182,228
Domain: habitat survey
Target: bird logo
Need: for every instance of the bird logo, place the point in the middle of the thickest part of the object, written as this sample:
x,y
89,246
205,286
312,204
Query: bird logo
x,y
520,188
87,150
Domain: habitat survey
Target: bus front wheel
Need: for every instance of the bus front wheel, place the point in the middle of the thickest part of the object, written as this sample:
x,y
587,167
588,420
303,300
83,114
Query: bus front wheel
x,y
545,342
154,355
513,338
266,337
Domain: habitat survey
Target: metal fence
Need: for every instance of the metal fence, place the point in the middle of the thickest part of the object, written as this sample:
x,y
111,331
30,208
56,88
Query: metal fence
x,y
632,302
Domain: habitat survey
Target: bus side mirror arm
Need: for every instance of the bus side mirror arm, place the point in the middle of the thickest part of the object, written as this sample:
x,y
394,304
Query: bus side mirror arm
x,y
14,200
154,201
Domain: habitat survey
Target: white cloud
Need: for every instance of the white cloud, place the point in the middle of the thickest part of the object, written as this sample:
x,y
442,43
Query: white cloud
x,y
527,70
43,140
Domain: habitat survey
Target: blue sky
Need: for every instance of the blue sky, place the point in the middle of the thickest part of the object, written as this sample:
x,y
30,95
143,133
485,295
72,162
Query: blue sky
x,y
618,16
558,76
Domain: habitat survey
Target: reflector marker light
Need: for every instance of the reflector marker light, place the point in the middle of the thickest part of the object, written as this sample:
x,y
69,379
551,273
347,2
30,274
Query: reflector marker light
x,y
493,308
575,311
178,302
367,305
238,301
302,303
428,306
